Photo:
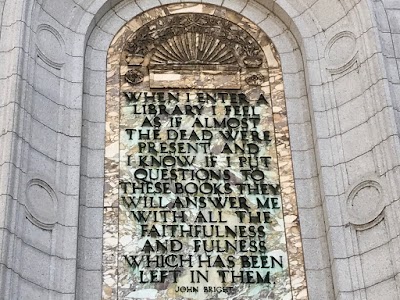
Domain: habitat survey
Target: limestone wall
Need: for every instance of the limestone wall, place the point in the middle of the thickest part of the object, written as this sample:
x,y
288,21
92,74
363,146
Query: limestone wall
x,y
341,75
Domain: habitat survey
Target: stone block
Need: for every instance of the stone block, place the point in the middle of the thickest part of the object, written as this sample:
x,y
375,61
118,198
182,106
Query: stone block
x,y
72,95
169,1
321,124
46,111
9,68
92,260
314,72
334,211
98,8
301,137
392,70
327,12
273,26
377,265
111,23
89,285
100,40
255,12
316,254
66,241
329,181
356,142
93,135
285,11
337,241
96,83
96,60
308,192
215,2
311,221
297,110
304,165
306,23
319,284
393,16
284,43
38,238
71,176
372,238
391,4
31,291
294,85
381,17
358,167
94,166
41,164
310,49
146,4
47,83
86,23
11,29
73,68
57,9
348,296
92,192
91,225
64,277
292,62
341,272
324,151
387,44
67,210
347,118
347,87
235,5
44,140
35,266
386,290
94,108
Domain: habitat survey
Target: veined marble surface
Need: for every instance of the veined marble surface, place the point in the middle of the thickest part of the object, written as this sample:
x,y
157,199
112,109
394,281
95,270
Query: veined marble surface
x,y
122,234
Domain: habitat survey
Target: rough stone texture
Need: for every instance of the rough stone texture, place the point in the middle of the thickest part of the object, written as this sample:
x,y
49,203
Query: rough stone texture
x,y
47,98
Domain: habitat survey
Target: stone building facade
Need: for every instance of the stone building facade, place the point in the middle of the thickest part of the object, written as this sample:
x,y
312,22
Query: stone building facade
x,y
339,61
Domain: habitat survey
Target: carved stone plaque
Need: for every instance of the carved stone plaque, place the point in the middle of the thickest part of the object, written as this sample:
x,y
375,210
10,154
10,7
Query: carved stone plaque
x,y
200,209
199,188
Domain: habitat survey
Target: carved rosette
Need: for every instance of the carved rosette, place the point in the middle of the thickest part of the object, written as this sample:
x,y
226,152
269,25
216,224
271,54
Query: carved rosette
x,y
134,77
255,79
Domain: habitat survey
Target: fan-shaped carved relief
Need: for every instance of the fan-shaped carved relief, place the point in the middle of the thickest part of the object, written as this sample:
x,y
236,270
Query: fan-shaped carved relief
x,y
186,50
194,39
193,48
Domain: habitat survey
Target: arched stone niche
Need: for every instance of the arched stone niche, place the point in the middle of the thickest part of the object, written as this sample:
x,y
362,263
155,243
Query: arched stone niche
x,y
88,27
189,49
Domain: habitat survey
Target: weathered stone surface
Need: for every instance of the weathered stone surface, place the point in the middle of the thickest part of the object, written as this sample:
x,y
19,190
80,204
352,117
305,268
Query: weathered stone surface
x,y
300,30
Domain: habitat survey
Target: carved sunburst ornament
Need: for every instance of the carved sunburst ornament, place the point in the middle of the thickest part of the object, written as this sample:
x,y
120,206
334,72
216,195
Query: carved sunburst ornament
x,y
193,48
195,39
